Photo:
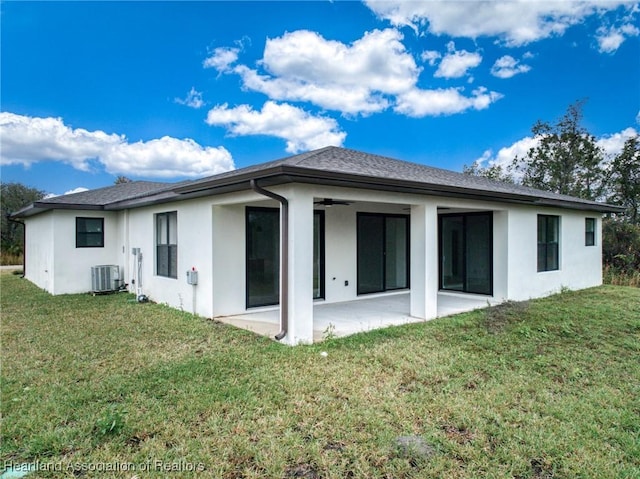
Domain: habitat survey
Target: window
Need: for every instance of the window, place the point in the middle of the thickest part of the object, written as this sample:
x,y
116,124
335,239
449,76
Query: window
x,y
589,231
548,242
89,232
167,244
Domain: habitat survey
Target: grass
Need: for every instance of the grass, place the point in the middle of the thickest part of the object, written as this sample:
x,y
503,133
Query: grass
x,y
544,389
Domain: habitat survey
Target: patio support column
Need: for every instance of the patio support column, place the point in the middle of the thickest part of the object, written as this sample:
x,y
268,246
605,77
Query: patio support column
x,y
300,298
424,261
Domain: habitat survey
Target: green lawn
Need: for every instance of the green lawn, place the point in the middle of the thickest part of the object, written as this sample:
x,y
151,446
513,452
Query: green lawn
x,y
548,388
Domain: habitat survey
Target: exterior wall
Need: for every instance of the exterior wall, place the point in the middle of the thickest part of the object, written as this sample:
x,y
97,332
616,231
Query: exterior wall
x,y
72,266
500,255
39,250
580,265
194,240
229,262
211,238
219,224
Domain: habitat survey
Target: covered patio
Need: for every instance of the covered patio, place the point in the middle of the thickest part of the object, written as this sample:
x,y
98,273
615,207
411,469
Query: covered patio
x,y
350,317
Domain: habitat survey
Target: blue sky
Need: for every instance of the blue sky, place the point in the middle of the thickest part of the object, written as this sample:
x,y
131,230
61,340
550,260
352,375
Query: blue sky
x,y
168,91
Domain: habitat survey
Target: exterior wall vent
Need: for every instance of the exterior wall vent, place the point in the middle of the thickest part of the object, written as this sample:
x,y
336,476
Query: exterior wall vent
x,y
105,278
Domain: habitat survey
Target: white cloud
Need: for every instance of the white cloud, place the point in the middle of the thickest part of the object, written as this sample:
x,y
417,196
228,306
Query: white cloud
x,y
507,66
167,157
27,140
505,155
613,144
356,78
221,59
515,22
419,103
301,130
430,56
456,63
355,100
378,59
193,99
79,189
610,39
367,76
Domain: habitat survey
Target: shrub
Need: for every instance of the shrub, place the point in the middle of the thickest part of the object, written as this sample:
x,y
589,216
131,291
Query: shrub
x,y
621,252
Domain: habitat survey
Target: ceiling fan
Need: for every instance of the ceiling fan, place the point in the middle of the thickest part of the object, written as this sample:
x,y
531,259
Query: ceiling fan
x,y
331,202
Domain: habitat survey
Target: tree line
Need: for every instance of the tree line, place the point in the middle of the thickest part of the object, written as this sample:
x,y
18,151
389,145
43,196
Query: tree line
x,y
567,159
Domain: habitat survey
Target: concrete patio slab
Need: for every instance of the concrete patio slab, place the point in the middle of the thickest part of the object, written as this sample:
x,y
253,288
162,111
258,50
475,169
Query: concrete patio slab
x,y
350,317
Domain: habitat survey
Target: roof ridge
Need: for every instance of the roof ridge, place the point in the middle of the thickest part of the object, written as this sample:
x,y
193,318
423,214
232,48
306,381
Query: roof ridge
x,y
116,185
310,154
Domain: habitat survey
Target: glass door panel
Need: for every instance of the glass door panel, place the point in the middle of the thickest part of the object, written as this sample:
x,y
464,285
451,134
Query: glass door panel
x,y
383,252
263,256
318,254
466,252
396,254
478,254
370,254
452,253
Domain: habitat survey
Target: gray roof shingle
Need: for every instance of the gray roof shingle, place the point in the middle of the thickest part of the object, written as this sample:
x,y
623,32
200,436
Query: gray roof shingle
x,y
329,162
98,198
369,166
110,194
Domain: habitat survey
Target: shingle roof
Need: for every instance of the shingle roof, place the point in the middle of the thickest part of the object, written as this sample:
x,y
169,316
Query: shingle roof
x,y
100,197
372,167
110,194
329,164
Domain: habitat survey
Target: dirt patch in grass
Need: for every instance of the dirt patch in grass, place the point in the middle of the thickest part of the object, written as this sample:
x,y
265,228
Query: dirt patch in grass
x,y
501,316
303,471
461,435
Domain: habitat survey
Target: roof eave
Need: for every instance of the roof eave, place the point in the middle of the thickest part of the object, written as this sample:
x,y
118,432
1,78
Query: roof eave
x,y
287,174
40,207
599,207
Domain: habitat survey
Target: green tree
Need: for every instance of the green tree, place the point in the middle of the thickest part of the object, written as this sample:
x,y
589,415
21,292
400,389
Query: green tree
x,y
14,196
624,179
493,172
121,179
566,159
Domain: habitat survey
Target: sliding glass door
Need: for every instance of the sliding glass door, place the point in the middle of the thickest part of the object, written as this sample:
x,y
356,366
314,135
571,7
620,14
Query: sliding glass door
x,y
383,252
466,252
263,256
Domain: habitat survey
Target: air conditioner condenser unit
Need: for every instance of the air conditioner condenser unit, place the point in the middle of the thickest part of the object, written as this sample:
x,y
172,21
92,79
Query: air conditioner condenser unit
x,y
105,278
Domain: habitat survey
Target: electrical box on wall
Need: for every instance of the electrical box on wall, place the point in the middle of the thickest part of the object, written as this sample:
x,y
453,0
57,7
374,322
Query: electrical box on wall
x,y
192,276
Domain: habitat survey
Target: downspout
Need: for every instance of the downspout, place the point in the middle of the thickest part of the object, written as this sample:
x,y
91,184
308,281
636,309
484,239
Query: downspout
x,y
284,257
24,245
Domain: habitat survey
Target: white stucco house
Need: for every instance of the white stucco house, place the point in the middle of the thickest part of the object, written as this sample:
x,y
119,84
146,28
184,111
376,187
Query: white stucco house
x,y
324,227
